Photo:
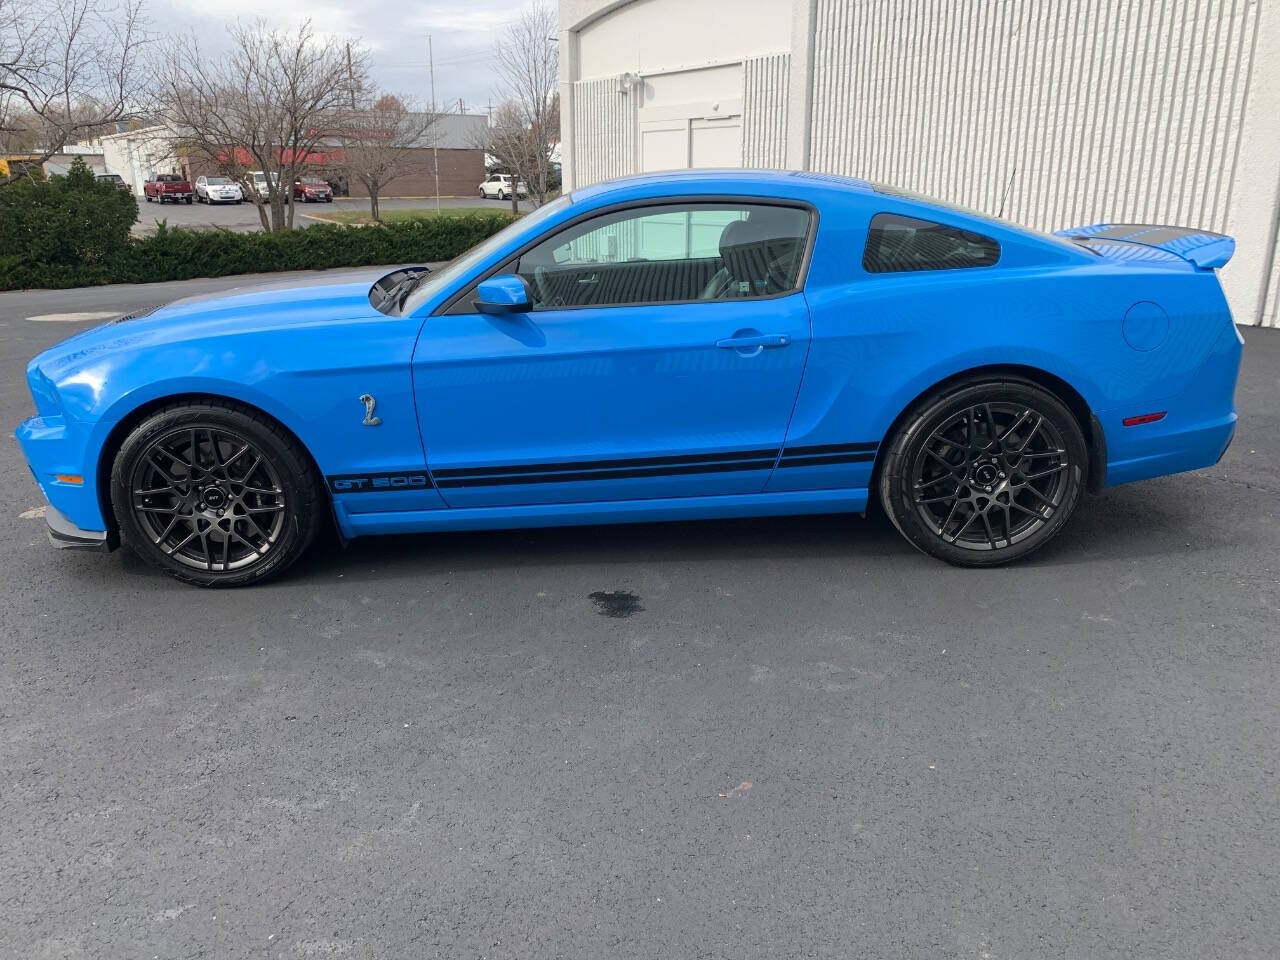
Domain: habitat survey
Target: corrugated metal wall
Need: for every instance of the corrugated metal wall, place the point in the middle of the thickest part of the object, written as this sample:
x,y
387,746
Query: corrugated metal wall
x,y
604,123
764,110
1271,295
1061,112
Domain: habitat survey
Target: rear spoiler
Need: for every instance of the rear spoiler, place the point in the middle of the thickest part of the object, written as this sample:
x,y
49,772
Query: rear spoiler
x,y
1199,247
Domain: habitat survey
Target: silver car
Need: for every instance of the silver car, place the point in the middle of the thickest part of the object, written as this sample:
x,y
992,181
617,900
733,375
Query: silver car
x,y
217,190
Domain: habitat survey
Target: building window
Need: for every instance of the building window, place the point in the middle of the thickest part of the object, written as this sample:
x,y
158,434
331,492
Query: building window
x,y
669,253
896,244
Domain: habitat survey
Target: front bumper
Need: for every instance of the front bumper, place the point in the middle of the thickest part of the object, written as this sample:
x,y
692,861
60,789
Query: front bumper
x,y
65,535
61,446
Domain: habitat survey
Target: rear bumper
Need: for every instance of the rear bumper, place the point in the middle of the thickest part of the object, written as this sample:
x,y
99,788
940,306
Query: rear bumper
x,y
1197,427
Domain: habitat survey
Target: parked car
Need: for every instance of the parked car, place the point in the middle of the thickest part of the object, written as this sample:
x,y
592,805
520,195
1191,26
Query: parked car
x,y
213,190
692,345
259,181
167,187
499,185
114,179
312,190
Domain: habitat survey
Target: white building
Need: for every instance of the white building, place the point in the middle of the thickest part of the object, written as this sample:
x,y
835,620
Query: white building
x,y
1057,113
137,154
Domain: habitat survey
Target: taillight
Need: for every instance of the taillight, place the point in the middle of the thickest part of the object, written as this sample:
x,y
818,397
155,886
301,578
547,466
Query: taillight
x,y
1143,418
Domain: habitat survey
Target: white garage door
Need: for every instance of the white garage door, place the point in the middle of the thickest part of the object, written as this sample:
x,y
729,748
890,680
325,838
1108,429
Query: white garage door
x,y
691,142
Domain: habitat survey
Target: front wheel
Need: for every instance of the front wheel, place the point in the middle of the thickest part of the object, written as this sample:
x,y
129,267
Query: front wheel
x,y
985,472
215,494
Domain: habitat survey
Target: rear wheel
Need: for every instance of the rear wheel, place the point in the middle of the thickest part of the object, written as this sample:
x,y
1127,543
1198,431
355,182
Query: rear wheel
x,y
215,494
985,472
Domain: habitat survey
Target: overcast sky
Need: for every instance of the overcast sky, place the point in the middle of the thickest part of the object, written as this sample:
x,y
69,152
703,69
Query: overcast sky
x,y
394,31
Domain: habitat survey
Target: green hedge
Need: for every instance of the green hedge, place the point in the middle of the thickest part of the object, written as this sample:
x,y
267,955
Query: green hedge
x,y
62,228
58,236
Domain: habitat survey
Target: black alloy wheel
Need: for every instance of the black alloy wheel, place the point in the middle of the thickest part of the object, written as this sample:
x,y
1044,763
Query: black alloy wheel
x,y
215,494
986,473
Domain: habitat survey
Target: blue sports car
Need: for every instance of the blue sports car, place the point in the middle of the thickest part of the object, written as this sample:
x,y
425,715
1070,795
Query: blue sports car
x,y
675,346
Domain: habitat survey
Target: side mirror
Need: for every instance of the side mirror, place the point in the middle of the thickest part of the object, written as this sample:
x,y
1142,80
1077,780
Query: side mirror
x,y
504,294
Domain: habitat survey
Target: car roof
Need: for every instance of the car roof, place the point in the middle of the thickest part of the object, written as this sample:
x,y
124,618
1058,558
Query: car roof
x,y
723,181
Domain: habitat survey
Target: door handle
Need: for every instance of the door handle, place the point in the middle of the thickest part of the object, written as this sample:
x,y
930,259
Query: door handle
x,y
754,340
591,279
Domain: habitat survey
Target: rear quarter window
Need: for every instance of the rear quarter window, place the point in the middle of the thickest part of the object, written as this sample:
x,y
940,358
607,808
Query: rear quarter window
x,y
899,244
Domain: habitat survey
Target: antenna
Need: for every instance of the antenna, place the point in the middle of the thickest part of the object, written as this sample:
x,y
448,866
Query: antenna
x,y
1007,188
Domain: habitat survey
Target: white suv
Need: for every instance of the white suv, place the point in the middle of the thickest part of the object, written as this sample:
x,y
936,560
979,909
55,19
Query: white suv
x,y
499,185
213,190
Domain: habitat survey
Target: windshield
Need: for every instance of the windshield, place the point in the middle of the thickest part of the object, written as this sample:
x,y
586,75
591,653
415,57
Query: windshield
x,y
315,180
218,181
447,274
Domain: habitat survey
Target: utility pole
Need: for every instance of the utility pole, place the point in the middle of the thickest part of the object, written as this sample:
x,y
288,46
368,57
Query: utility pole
x,y
435,149
346,144
351,78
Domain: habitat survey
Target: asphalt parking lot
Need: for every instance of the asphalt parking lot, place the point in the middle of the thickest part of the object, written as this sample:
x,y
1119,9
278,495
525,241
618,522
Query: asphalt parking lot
x,y
244,216
794,738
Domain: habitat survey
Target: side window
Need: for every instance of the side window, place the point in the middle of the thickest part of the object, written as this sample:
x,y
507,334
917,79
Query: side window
x,y
897,244
669,253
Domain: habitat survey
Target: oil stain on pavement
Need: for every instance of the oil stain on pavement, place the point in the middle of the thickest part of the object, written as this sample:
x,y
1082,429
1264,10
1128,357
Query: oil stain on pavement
x,y
615,603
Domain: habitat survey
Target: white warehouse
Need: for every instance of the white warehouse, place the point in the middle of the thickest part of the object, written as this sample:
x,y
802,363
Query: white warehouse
x,y
1053,113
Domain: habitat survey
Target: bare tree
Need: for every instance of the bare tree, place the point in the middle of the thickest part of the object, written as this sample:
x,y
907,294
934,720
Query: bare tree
x,y
379,140
68,68
507,139
267,105
527,125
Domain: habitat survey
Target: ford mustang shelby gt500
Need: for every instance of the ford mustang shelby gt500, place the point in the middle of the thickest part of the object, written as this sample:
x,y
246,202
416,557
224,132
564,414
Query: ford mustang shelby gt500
x,y
684,345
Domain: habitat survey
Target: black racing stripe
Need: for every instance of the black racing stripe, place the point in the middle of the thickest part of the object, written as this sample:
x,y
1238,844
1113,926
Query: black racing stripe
x,y
830,459
828,448
577,466
632,473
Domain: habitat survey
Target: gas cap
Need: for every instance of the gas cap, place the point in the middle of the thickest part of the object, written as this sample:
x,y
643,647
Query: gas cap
x,y
1145,326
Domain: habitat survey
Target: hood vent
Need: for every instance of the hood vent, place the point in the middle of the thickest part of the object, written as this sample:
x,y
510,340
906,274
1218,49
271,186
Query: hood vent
x,y
137,314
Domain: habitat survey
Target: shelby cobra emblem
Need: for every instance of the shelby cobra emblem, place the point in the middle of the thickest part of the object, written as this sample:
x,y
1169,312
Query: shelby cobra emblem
x,y
369,403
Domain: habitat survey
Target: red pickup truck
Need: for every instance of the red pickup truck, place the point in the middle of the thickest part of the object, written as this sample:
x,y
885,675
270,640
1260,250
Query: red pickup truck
x,y
167,186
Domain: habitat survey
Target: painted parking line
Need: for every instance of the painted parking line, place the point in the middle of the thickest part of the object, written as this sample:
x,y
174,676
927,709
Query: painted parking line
x,y
73,317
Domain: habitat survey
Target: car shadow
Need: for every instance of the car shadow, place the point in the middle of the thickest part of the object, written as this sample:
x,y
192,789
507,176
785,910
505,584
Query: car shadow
x,y
706,541
1147,520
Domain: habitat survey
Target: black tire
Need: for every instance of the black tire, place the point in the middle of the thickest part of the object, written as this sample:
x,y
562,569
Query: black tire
x,y
984,472
209,521
188,201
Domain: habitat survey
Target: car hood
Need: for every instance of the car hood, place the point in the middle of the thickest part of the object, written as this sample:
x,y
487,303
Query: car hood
x,y
300,302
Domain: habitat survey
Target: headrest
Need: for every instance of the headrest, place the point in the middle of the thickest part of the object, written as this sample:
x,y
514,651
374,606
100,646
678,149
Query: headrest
x,y
763,225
